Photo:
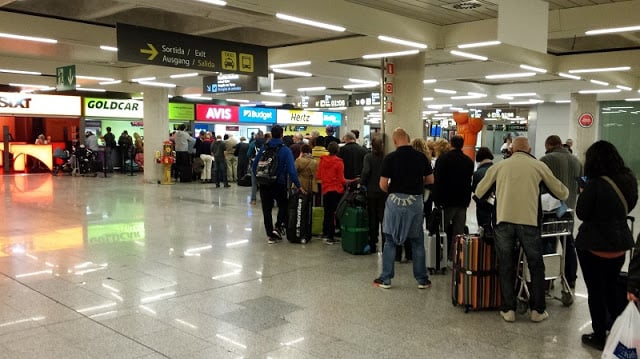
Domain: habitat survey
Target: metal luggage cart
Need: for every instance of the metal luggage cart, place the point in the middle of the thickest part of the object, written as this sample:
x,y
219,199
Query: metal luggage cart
x,y
553,263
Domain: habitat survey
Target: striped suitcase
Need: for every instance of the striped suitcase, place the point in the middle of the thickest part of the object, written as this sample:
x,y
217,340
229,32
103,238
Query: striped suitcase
x,y
475,283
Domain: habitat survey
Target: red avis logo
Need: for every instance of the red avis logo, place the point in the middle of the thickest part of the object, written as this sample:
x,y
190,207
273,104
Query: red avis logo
x,y
218,113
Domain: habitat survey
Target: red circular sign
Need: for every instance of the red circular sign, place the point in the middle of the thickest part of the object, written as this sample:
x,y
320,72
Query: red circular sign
x,y
585,120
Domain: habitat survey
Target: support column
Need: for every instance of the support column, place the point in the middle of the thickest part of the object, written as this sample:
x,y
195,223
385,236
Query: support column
x,y
354,120
583,137
403,107
156,129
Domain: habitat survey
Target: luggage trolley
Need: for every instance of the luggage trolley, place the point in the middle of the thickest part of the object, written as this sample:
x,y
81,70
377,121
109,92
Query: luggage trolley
x,y
553,263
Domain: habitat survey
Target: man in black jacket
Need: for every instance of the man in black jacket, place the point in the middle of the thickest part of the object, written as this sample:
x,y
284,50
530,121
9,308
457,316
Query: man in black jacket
x,y
352,155
452,188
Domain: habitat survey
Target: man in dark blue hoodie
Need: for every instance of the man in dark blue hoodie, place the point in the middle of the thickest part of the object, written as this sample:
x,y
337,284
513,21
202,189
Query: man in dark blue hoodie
x,y
277,191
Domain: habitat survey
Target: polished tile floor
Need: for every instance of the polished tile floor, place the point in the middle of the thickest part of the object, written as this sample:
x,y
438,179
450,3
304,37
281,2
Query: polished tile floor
x,y
114,268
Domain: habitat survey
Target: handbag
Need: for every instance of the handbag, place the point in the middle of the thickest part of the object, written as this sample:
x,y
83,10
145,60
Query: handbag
x,y
624,337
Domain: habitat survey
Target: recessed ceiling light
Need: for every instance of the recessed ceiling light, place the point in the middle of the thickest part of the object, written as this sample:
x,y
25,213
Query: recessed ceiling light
x,y
599,91
291,64
510,76
115,82
533,68
274,94
157,84
468,97
563,101
479,44
87,89
402,42
390,54
573,77
20,72
445,91
95,78
109,48
143,79
178,76
214,2
28,85
612,30
292,73
468,55
309,89
429,81
632,99
363,81
237,100
28,38
303,21
360,86
520,94
601,69
599,82
624,88
427,99
479,104
271,103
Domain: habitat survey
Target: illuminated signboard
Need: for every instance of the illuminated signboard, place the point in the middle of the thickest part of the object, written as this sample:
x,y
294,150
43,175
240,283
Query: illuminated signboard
x,y
103,107
300,117
229,83
181,111
332,118
13,103
216,113
257,115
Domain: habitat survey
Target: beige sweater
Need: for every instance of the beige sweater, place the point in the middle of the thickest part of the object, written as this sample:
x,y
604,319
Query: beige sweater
x,y
517,181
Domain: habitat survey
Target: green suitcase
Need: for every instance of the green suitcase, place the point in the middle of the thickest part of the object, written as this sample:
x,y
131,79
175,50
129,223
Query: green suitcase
x,y
317,216
355,231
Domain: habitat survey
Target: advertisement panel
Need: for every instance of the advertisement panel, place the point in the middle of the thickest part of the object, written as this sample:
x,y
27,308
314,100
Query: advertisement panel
x,y
300,117
13,103
257,115
181,111
332,118
216,113
103,107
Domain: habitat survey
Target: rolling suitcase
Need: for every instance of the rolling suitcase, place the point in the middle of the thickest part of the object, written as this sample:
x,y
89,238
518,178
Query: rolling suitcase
x,y
436,247
475,283
355,230
299,222
317,217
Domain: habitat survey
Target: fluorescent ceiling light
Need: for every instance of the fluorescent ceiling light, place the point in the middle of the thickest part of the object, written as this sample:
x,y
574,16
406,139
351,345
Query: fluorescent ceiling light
x,y
143,79
237,100
521,94
573,77
437,107
109,48
363,81
20,72
318,88
291,64
96,78
337,108
624,88
193,95
179,76
293,73
530,102
87,89
600,91
429,81
510,76
601,69
28,85
479,44
445,91
402,42
360,86
157,84
303,21
479,104
468,55
110,82
599,82
636,99
214,2
468,97
28,38
390,54
563,101
612,30
533,68
274,94
427,99
271,103
621,107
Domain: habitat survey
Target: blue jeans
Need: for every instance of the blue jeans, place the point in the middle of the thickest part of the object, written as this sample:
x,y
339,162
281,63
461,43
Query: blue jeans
x,y
389,256
507,237
254,186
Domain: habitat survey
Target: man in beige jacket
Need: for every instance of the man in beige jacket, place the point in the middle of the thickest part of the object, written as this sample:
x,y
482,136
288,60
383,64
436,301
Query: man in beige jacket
x,y
517,183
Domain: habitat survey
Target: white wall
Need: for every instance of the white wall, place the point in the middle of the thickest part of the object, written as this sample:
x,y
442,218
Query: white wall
x,y
552,119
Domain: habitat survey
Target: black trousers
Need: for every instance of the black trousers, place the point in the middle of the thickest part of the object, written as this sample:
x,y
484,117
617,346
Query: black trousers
x,y
268,194
600,276
375,212
330,200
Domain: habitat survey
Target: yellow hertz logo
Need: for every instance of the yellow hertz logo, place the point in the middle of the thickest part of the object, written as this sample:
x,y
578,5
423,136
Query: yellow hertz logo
x,y
151,51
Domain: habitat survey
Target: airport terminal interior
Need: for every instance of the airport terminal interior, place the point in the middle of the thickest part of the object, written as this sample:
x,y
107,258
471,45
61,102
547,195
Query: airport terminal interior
x,y
115,268
131,265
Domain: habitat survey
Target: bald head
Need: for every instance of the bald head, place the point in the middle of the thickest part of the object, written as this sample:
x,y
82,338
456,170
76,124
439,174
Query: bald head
x,y
521,143
400,137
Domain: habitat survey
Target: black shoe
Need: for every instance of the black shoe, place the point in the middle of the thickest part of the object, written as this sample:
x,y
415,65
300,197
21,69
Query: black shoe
x,y
572,285
217,185
595,341
227,185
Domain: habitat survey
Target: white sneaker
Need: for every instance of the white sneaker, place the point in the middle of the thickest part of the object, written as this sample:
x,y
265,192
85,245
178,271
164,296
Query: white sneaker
x,y
508,316
538,317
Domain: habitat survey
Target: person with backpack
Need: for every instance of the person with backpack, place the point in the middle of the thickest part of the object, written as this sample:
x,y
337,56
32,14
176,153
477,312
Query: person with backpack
x,y
254,147
274,167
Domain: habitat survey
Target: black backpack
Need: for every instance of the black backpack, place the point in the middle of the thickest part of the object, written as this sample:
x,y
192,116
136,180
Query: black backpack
x,y
267,168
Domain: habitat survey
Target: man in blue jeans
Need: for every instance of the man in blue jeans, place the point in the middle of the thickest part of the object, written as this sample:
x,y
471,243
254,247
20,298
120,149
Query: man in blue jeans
x,y
404,174
517,181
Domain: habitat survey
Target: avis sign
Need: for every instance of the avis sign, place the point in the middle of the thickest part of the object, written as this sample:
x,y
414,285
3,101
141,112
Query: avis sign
x,y
217,113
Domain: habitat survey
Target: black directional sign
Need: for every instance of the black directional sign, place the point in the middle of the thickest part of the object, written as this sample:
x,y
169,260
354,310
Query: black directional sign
x,y
147,46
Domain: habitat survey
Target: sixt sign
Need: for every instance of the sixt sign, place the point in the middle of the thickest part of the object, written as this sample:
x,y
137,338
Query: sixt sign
x,y
257,115
12,103
15,102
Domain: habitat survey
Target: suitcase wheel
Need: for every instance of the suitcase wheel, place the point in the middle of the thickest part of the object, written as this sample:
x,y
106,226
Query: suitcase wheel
x,y
523,306
567,299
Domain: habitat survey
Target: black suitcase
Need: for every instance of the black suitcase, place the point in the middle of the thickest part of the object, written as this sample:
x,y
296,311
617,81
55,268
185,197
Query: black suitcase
x,y
186,173
245,181
299,221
